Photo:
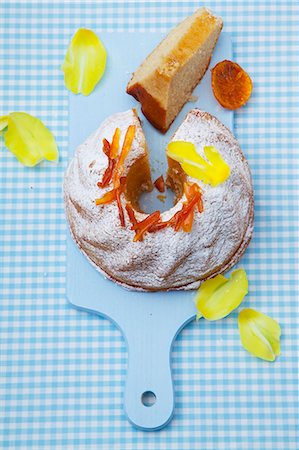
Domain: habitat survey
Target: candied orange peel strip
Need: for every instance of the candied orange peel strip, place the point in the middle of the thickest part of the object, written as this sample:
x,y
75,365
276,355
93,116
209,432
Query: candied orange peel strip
x,y
141,227
120,208
178,219
231,85
112,195
107,174
109,197
160,184
119,167
111,163
158,226
190,189
131,214
115,169
106,147
115,144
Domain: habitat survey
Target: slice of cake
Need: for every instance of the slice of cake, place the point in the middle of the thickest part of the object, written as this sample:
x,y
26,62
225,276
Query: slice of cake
x,y
164,82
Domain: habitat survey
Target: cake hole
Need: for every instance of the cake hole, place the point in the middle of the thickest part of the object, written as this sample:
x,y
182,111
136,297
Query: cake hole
x,y
163,201
140,191
148,398
152,201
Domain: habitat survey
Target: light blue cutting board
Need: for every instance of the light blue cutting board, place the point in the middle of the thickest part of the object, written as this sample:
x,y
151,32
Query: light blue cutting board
x,y
149,322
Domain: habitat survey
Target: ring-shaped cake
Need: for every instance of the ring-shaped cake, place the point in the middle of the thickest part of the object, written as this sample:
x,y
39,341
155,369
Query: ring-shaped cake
x,y
167,259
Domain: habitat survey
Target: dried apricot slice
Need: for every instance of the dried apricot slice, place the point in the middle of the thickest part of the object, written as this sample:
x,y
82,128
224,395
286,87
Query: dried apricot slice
x,y
231,85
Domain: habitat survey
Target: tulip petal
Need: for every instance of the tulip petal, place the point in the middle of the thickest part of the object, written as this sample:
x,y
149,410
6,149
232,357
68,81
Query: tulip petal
x,y
84,63
3,122
206,290
260,334
193,172
218,297
212,171
220,170
28,138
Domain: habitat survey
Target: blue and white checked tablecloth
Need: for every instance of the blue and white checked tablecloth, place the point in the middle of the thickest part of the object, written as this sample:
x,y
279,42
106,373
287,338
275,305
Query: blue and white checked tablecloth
x,y
63,371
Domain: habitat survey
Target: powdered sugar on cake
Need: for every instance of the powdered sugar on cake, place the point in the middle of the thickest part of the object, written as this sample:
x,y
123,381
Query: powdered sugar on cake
x,y
166,259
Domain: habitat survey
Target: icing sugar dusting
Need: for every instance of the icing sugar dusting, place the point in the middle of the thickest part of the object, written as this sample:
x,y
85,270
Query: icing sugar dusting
x,y
166,259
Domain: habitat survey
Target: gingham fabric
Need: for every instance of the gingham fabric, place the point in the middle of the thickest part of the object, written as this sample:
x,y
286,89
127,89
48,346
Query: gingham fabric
x,y
63,371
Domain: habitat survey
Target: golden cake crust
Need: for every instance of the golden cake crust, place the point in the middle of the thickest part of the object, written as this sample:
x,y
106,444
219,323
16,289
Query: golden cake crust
x,y
164,82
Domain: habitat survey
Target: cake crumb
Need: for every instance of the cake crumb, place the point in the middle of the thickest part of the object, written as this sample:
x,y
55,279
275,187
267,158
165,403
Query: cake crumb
x,y
193,98
162,198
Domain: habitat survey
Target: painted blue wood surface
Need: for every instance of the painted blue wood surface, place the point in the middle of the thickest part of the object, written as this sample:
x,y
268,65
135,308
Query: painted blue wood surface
x,y
149,321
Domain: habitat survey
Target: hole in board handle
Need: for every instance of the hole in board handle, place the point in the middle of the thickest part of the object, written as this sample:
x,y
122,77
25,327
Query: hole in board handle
x,y
148,398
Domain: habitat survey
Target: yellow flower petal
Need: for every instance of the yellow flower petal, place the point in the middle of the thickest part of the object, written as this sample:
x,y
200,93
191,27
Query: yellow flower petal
x,y
3,122
260,334
212,171
218,297
206,290
28,138
193,172
220,170
84,63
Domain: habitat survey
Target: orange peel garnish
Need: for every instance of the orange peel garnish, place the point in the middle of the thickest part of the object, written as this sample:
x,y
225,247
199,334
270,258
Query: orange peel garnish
x,y
158,226
184,217
115,169
127,144
190,189
160,184
120,208
112,195
106,147
109,197
231,85
111,164
141,227
131,214
178,219
115,144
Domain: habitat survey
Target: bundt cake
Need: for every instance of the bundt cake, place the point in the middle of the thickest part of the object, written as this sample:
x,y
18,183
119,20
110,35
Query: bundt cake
x,y
164,82
157,251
